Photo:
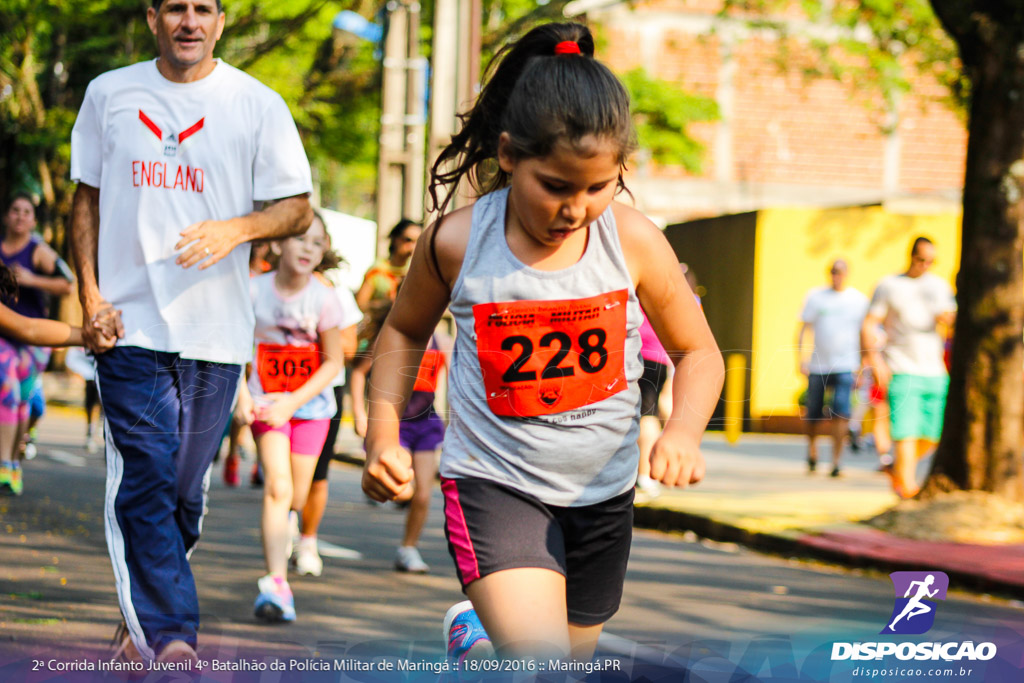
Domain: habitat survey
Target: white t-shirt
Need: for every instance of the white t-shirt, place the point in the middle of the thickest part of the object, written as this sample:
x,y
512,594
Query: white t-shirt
x,y
836,318
165,155
294,321
908,307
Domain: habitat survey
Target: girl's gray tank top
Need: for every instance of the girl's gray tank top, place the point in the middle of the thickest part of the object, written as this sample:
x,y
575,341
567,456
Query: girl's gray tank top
x,y
543,392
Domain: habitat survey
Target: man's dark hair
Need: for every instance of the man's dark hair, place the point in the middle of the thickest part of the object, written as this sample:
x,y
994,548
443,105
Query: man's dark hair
x,y
919,241
157,3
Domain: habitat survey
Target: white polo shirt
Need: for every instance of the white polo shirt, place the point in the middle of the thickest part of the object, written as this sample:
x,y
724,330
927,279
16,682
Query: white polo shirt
x,y
165,155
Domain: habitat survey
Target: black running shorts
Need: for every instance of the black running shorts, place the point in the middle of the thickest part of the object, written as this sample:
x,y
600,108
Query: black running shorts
x,y
491,527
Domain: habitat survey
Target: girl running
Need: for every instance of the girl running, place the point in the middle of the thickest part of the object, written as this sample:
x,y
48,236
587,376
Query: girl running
x,y
544,275
307,558
288,400
29,331
421,433
35,267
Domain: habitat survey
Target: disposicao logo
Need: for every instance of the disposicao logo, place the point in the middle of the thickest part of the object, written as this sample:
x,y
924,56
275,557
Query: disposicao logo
x,y
913,613
914,610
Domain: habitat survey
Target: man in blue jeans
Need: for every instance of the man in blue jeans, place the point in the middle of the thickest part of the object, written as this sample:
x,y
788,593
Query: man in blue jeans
x,y
172,157
834,315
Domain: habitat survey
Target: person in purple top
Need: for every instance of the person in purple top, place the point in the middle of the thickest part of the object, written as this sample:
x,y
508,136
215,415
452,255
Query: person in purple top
x,y
35,267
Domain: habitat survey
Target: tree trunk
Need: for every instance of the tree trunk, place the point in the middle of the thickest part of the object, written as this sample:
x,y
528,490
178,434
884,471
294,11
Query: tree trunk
x,y
982,445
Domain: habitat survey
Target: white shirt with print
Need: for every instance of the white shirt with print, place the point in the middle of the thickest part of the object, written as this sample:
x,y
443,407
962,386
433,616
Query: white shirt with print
x,y
296,320
165,155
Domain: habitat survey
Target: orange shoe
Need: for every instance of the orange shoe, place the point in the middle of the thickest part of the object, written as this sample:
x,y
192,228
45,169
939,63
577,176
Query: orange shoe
x,y
231,470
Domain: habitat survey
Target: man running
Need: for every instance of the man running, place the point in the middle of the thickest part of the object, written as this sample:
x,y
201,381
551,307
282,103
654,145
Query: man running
x,y
172,156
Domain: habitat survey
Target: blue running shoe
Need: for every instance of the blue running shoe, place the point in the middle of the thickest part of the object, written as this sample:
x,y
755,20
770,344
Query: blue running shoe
x,y
462,630
275,602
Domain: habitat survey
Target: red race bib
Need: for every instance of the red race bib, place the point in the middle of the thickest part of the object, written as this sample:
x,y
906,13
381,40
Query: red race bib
x,y
285,368
545,357
430,368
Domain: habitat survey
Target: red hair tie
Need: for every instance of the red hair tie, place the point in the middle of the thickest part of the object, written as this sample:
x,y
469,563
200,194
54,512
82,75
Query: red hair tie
x,y
567,47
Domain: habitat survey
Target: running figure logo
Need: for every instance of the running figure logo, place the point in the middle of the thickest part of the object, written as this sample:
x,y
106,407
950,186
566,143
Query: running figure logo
x,y
914,612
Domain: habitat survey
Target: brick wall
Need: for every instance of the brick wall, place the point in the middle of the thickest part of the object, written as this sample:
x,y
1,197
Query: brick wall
x,y
784,138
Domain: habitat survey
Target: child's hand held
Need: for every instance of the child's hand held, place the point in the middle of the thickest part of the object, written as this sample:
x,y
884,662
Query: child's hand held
x,y
278,409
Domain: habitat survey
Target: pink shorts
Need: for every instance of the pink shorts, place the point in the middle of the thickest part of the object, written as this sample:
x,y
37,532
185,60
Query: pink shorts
x,y
307,437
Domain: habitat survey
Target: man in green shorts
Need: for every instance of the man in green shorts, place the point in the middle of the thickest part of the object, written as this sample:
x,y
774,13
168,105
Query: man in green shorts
x,y
911,306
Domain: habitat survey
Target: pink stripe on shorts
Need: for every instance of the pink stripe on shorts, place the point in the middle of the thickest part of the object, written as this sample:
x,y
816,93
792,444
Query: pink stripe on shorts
x,y
461,544
307,437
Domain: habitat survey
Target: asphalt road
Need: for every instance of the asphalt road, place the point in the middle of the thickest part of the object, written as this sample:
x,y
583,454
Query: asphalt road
x,y
704,605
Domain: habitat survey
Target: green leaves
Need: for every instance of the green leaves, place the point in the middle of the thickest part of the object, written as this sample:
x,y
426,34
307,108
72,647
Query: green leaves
x,y
875,47
662,114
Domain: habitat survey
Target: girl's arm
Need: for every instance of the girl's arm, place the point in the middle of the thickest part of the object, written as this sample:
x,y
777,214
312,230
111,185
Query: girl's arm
x,y
349,343
38,331
364,293
421,301
357,385
285,404
680,325
44,259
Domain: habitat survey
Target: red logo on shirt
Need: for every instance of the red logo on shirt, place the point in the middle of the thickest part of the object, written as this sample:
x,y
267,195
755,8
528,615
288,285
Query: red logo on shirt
x,y
172,141
157,173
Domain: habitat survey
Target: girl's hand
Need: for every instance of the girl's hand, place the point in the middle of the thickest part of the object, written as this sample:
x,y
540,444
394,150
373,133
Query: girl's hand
x,y
280,409
387,473
360,424
245,409
24,276
676,460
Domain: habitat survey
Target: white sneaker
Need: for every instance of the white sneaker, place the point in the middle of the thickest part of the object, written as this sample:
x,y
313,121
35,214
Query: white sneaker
x,y
409,560
307,559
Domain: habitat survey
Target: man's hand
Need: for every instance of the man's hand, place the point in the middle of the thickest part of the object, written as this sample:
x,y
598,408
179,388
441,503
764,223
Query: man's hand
x,y
208,242
245,410
101,326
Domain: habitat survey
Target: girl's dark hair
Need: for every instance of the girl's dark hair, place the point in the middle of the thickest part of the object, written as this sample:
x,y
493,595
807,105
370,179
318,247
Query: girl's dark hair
x,y
332,259
22,195
540,99
8,285
398,231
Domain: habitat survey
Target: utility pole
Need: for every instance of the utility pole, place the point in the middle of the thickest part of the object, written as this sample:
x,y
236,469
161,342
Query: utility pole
x,y
400,170
456,74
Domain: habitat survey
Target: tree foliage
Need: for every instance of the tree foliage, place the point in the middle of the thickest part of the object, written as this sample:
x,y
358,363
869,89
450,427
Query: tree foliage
x,y
662,114
876,47
55,47
51,49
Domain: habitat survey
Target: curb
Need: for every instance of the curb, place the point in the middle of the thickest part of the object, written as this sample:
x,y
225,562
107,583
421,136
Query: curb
x,y
662,519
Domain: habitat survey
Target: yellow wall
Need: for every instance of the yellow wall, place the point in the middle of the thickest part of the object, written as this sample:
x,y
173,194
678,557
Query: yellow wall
x,y
793,251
